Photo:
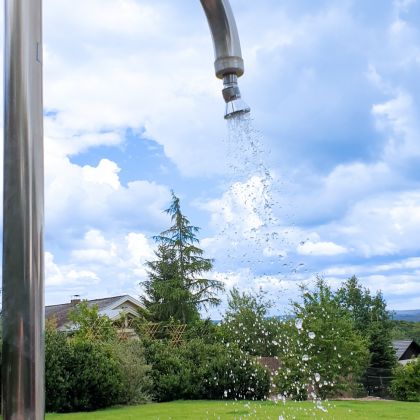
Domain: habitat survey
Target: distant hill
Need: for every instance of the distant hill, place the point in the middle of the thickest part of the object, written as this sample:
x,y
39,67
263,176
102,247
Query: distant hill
x,y
409,315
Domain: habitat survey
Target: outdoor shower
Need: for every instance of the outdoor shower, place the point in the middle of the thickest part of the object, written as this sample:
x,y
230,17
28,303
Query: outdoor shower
x,y
23,204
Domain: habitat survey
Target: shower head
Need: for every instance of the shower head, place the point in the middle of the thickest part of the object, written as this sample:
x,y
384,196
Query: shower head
x,y
232,96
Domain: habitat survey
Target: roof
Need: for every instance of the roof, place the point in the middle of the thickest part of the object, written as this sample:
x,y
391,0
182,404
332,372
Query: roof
x,y
105,307
401,346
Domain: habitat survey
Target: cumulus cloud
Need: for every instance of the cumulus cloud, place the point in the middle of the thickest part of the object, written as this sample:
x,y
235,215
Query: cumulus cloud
x,y
334,88
321,248
93,197
144,71
112,264
66,276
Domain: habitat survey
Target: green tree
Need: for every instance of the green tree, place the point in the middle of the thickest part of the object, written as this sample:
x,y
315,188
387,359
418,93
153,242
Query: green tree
x,y
321,348
176,287
246,323
371,319
89,325
165,295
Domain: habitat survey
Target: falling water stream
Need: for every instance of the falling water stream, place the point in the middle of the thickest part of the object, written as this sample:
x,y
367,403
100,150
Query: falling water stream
x,y
254,221
259,234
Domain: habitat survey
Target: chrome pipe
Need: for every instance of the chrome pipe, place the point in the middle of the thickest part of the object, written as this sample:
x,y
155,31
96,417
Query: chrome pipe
x,y
23,214
229,64
227,48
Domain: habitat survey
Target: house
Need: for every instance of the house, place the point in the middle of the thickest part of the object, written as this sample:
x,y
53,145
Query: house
x,y
113,307
406,350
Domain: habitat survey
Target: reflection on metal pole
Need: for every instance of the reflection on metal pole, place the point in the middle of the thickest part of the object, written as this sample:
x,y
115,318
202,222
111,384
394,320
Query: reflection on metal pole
x,y
23,215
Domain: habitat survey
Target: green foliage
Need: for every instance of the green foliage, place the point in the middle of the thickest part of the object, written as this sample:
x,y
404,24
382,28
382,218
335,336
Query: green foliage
x,y
320,349
89,325
136,383
92,369
204,329
57,371
371,319
166,297
168,372
405,330
406,384
198,370
247,325
176,287
96,376
80,375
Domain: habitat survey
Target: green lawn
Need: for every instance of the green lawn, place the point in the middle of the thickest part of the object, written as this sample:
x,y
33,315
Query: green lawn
x,y
339,410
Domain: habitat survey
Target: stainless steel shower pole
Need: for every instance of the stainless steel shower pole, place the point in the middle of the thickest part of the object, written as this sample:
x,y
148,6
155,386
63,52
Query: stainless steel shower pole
x,y
23,214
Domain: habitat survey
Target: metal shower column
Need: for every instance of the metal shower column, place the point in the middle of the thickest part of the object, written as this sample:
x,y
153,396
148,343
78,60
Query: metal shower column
x,y
23,214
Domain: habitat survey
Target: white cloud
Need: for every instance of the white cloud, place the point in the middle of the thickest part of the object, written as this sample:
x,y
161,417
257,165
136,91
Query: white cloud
x,y
321,249
56,276
126,74
384,225
102,265
147,67
105,173
397,117
93,197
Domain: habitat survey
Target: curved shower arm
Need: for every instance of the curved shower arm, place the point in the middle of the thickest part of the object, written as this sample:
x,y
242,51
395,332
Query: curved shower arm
x,y
227,48
228,64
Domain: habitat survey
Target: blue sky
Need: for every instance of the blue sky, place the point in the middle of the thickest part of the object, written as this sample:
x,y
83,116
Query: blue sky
x,y
133,110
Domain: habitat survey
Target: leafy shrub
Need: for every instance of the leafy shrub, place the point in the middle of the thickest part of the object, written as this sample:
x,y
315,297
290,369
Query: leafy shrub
x,y
86,375
246,323
135,380
57,379
406,384
96,376
169,374
231,373
197,370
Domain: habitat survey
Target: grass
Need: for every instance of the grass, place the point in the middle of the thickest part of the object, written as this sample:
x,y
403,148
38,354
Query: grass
x,y
197,410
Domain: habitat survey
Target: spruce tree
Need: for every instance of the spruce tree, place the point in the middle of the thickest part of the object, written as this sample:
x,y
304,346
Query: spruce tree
x,y
176,287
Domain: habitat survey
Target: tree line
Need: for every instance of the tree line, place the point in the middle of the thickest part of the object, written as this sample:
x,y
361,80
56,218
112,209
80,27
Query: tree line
x,y
332,343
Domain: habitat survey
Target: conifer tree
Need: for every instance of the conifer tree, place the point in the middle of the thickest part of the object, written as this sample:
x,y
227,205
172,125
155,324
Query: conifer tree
x,y
176,286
